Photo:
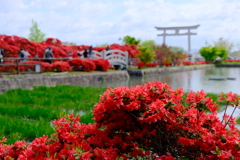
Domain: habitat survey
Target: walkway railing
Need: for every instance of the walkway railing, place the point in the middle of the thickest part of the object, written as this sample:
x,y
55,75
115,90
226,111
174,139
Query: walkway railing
x,y
115,57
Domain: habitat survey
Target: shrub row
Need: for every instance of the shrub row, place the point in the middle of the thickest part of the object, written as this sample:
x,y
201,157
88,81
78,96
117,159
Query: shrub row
x,y
87,65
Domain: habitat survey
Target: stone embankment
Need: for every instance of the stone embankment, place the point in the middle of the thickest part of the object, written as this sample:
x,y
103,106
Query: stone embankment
x,y
28,81
228,65
157,71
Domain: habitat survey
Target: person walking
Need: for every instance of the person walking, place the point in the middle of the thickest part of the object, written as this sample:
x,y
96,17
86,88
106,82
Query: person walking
x,y
90,52
36,58
85,53
23,54
1,55
48,55
107,48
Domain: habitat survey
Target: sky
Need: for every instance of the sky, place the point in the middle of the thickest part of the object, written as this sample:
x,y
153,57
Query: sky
x,y
98,22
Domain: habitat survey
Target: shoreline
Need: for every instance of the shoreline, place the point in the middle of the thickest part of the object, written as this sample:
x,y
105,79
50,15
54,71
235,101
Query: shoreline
x,y
29,81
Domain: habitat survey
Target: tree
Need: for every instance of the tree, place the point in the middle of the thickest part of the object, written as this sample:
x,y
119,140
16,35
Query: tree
x,y
211,53
130,40
146,55
148,43
161,52
177,54
36,34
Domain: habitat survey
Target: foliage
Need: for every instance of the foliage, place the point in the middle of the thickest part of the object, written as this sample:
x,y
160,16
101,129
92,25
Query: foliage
x,y
36,34
176,49
211,53
143,122
177,54
162,53
148,44
130,40
146,55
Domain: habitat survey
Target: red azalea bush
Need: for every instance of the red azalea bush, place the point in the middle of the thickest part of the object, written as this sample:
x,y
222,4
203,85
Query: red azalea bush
x,y
8,68
167,64
82,64
12,45
101,64
201,62
61,67
188,63
140,64
149,64
152,121
88,65
232,60
76,64
46,66
26,67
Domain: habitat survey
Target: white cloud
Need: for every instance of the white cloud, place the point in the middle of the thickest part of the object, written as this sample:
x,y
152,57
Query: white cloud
x,y
104,21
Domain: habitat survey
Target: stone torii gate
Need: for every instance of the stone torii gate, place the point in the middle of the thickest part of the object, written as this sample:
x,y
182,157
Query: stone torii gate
x,y
177,29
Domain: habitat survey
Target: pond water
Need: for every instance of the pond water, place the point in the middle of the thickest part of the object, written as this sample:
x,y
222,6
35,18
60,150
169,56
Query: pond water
x,y
211,80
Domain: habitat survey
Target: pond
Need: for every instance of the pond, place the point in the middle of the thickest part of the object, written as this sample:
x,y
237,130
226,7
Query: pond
x,y
211,80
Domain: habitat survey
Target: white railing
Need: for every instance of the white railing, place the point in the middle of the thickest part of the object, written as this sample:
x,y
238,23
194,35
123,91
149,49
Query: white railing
x,y
115,57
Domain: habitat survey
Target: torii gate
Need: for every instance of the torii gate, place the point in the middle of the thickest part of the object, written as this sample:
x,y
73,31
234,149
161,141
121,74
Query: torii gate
x,y
188,33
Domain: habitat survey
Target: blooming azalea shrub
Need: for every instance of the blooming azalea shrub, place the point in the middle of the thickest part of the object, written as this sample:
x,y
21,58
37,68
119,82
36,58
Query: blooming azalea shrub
x,y
232,60
188,63
82,64
152,121
12,45
46,66
9,68
149,64
76,64
22,68
201,62
61,66
167,64
155,118
140,64
101,64
88,65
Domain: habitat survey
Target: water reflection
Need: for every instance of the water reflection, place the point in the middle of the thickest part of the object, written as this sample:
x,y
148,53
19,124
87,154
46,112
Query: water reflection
x,y
195,80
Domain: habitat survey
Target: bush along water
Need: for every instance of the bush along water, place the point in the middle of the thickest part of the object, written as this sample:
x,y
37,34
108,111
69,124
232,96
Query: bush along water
x,y
152,121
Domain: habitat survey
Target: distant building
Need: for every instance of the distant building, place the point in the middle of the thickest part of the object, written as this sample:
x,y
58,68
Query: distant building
x,y
195,57
68,43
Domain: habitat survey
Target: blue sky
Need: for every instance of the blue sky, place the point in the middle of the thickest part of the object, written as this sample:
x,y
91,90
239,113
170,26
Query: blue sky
x,y
97,22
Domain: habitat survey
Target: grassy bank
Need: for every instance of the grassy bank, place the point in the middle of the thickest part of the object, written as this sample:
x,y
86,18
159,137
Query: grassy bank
x,y
27,114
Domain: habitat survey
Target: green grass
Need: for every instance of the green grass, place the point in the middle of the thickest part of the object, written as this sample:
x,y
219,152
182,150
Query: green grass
x,y
27,114
25,129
